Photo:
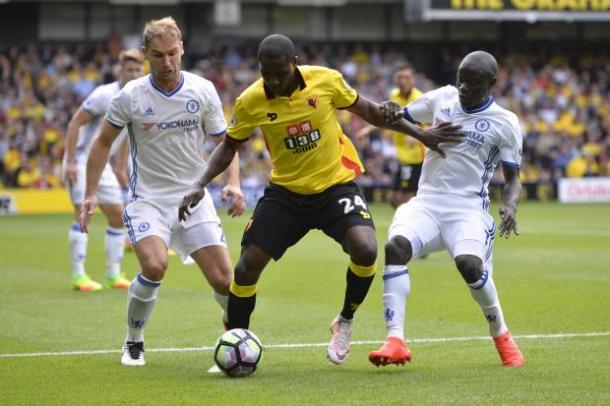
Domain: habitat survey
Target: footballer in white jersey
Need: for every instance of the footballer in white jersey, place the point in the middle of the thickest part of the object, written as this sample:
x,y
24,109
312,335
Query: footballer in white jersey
x,y
493,135
95,105
450,209
82,130
166,133
167,115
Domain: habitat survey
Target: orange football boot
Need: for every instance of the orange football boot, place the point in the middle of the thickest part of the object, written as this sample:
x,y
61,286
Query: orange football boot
x,y
393,351
508,350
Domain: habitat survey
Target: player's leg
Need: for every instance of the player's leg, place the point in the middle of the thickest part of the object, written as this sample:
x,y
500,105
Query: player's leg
x,y
150,236
77,240
413,232
341,212
473,255
78,252
205,242
361,245
277,223
242,295
114,246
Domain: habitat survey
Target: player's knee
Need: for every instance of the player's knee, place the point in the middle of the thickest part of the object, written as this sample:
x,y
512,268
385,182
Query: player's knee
x,y
398,251
154,269
470,267
364,252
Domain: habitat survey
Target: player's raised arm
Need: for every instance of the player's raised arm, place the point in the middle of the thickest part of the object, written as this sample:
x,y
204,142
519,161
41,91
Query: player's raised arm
x,y
431,138
510,197
80,118
222,156
98,157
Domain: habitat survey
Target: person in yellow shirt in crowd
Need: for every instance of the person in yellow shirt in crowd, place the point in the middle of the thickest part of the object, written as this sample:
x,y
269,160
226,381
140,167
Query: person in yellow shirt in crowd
x,y
311,185
409,151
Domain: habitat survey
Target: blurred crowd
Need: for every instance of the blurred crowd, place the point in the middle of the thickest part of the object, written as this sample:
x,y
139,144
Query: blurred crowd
x,y
563,104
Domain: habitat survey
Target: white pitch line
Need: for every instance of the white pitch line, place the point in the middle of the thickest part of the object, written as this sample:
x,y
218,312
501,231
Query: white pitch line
x,y
313,345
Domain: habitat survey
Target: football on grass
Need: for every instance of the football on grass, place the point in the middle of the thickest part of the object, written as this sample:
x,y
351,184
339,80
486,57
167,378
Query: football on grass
x,y
238,352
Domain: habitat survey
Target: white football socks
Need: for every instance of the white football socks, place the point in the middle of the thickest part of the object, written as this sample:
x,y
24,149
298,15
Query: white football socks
x,y
141,299
113,245
223,301
396,289
484,293
78,249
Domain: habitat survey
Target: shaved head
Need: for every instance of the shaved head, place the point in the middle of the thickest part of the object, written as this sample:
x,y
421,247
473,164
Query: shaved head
x,y
481,61
278,64
476,76
276,46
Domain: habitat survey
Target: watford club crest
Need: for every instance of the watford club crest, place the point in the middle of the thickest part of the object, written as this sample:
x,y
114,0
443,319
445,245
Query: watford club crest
x,y
313,101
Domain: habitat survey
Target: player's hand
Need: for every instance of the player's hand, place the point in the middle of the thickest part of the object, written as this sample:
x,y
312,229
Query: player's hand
x,y
71,171
444,132
237,197
191,200
392,112
86,211
508,215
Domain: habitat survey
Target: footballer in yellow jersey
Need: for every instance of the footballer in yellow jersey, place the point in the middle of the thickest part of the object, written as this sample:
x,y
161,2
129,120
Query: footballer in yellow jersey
x,y
308,149
312,180
409,152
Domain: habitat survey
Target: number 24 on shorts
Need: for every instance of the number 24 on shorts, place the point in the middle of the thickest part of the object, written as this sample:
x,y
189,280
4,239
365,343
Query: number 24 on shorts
x,y
349,206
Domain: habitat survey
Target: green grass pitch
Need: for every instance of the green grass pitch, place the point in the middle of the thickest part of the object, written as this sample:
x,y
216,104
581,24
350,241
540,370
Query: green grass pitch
x,y
553,279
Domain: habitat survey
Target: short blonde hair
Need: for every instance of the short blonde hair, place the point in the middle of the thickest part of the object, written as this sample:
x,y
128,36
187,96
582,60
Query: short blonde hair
x,y
130,55
160,28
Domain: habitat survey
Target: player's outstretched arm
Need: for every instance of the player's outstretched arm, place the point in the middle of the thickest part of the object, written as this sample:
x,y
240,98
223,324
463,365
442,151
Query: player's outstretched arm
x,y
98,157
510,196
233,188
431,138
221,158
80,118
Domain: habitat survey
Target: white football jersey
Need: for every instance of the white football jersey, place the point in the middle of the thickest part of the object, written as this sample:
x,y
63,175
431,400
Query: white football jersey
x,y
493,134
96,104
166,133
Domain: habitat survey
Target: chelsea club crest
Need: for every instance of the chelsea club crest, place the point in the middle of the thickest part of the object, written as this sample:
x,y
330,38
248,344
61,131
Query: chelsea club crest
x,y
192,106
482,125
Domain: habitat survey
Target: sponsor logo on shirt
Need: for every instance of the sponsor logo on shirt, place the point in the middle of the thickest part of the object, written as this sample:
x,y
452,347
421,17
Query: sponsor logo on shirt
x,y
301,137
185,124
475,139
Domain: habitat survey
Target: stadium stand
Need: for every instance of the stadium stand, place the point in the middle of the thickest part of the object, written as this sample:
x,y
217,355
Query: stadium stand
x,y
563,103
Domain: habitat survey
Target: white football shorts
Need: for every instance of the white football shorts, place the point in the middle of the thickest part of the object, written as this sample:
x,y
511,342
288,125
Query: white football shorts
x,y
108,189
202,228
433,223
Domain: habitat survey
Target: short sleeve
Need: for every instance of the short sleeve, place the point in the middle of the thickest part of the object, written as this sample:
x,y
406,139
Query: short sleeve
x,y
344,95
240,127
119,111
95,104
213,118
421,111
511,144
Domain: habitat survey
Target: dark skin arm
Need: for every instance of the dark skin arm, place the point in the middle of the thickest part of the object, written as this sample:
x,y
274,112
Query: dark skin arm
x,y
382,117
510,196
220,159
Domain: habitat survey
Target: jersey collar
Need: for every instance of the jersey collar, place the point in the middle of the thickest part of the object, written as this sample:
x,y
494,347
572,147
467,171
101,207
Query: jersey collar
x,y
302,85
480,107
171,92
